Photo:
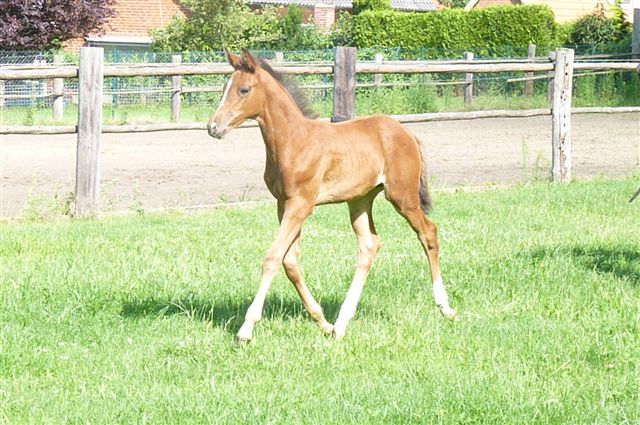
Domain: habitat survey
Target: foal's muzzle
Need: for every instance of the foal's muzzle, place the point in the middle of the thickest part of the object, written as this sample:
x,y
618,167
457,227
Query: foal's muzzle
x,y
215,131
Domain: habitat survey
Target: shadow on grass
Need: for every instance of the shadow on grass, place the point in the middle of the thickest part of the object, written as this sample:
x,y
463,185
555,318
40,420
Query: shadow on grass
x,y
622,262
227,314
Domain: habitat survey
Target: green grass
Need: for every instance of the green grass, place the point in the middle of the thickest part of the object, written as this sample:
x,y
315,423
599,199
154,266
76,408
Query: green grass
x,y
131,319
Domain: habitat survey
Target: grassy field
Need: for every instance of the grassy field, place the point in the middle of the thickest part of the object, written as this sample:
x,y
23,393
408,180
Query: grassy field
x,y
131,319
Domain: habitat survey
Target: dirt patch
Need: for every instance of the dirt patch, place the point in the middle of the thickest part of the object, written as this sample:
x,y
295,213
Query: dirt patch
x,y
188,168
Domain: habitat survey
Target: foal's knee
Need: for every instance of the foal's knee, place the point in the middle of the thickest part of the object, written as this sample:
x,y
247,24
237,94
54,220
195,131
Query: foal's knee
x,y
270,265
368,250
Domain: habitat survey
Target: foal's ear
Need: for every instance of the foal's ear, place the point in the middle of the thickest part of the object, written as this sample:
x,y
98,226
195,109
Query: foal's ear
x,y
234,60
248,61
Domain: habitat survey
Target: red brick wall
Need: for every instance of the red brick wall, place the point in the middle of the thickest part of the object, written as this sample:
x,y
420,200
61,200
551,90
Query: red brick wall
x,y
134,18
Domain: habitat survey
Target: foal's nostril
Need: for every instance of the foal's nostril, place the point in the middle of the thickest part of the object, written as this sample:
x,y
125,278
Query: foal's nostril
x,y
211,128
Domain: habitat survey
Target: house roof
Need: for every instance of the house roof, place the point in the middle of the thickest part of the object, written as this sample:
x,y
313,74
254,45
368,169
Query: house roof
x,y
416,5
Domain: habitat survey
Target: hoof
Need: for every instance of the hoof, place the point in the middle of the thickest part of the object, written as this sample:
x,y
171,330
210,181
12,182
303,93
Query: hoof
x,y
327,328
448,313
240,341
338,333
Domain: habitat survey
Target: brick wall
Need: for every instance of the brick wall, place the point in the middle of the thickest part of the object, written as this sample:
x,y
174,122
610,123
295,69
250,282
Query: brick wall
x,y
324,15
134,18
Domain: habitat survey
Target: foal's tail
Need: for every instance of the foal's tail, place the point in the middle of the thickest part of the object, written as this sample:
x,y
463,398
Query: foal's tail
x,y
425,197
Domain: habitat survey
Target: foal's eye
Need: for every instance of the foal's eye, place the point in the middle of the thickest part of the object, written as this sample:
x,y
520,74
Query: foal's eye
x,y
244,91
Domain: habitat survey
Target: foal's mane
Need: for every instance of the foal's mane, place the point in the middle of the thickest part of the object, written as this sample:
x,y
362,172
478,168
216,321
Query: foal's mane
x,y
292,87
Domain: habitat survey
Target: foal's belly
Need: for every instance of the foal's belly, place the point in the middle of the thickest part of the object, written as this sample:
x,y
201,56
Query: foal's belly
x,y
341,190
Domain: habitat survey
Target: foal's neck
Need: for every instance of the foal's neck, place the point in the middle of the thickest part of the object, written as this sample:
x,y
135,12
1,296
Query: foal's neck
x,y
281,121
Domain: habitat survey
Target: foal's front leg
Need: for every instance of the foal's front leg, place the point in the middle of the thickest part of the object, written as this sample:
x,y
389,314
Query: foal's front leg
x,y
296,210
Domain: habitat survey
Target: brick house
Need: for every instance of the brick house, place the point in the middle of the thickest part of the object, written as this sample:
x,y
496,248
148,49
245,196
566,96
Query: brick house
x,y
564,10
129,28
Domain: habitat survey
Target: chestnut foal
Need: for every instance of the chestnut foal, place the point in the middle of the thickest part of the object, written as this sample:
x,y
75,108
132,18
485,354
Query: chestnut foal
x,y
311,162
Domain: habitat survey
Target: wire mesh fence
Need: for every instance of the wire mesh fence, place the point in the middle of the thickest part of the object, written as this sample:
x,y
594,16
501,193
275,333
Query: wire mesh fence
x,y
139,100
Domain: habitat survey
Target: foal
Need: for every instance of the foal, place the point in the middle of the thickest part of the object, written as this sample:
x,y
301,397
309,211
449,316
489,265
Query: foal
x,y
311,162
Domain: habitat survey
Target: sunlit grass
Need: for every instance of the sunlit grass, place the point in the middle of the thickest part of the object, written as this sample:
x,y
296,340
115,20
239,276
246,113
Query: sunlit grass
x,y
131,319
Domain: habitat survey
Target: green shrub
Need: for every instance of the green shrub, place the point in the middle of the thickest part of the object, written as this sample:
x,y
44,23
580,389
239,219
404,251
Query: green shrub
x,y
593,29
360,6
342,30
620,24
487,31
563,33
453,4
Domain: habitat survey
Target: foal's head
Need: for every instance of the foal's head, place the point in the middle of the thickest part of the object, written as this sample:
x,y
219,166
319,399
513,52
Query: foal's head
x,y
242,96
245,94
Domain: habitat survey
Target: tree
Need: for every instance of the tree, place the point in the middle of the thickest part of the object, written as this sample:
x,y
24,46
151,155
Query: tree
x,y
294,35
216,24
213,25
41,24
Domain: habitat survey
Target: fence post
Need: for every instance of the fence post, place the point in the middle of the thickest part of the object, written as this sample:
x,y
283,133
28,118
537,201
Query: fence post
x,y
58,92
377,78
176,91
468,88
561,116
344,83
279,57
528,84
635,38
90,90
552,58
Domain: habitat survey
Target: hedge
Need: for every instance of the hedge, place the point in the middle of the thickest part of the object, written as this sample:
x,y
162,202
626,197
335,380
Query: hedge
x,y
486,32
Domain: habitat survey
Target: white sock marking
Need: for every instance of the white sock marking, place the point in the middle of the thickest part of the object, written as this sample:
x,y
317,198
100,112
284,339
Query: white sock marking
x,y
440,294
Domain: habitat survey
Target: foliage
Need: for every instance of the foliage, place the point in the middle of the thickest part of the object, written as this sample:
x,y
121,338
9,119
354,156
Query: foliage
x,y
294,35
217,24
594,28
620,24
290,26
214,25
454,4
41,24
483,31
360,6
563,33
342,30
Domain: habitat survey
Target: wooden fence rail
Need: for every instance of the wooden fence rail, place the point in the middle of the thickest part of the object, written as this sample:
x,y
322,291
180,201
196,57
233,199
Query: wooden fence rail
x,y
91,72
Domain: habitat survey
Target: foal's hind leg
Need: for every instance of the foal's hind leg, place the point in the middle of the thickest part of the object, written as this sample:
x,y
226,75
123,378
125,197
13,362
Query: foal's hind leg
x,y
427,234
368,246
292,269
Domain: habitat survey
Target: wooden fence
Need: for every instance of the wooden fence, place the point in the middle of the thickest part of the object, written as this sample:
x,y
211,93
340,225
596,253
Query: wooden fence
x,y
559,68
